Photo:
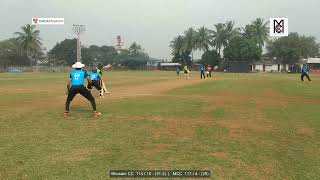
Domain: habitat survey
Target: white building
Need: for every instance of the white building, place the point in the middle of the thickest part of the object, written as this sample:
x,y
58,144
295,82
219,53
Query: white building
x,y
275,65
269,66
170,64
153,62
314,65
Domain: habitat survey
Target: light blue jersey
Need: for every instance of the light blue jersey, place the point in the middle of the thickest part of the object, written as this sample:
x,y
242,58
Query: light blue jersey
x,y
77,77
305,69
94,76
202,68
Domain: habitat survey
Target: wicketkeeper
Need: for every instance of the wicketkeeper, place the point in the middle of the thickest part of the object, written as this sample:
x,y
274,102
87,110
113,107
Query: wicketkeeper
x,y
76,86
95,82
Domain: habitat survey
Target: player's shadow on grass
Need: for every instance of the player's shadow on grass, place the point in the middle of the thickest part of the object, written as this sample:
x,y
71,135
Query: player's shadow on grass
x,y
81,112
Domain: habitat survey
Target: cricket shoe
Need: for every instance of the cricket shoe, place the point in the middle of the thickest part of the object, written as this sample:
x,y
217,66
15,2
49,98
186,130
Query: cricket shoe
x,y
97,114
66,114
105,91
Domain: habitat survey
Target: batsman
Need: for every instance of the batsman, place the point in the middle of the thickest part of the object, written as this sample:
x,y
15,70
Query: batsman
x,y
99,71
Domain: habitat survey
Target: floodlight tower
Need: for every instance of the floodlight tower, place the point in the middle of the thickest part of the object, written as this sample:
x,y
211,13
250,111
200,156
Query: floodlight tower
x,y
78,29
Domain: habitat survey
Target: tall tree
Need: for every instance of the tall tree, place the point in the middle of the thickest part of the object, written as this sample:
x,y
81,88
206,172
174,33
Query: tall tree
x,y
292,48
190,38
108,54
30,41
231,31
178,52
177,44
211,58
249,32
203,39
242,49
64,52
177,48
309,46
260,31
219,37
95,54
134,58
10,53
135,49
223,34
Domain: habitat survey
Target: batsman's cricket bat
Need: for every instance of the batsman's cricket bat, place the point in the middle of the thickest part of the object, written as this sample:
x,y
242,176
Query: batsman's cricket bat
x,y
104,88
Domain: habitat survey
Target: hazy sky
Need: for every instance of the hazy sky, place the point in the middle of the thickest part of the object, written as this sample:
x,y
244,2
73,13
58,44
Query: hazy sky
x,y
152,23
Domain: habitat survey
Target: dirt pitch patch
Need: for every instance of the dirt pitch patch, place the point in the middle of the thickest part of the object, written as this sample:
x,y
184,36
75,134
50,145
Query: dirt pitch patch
x,y
179,128
76,154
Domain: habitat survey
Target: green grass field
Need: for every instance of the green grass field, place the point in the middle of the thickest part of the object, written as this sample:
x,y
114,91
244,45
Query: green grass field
x,y
238,126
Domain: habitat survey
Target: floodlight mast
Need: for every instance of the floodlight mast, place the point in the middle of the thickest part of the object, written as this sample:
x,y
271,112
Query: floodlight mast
x,y
78,29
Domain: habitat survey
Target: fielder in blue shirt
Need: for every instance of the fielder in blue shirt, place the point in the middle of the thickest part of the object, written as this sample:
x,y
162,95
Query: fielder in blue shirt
x,y
178,70
202,69
76,86
305,72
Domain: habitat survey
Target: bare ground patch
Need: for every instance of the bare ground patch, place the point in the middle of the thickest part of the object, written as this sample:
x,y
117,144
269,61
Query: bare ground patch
x,y
220,155
263,99
76,154
246,118
156,148
174,130
257,126
265,170
179,128
306,131
225,97
222,99
269,97
151,89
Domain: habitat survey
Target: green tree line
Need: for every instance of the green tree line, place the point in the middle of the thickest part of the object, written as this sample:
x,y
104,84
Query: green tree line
x,y
25,49
225,41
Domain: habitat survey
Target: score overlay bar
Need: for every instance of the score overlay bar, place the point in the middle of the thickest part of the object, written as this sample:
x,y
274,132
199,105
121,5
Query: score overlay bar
x,y
159,173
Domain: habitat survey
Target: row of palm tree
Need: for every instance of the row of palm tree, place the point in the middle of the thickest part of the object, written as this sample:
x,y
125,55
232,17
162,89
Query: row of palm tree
x,y
205,39
258,31
29,40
